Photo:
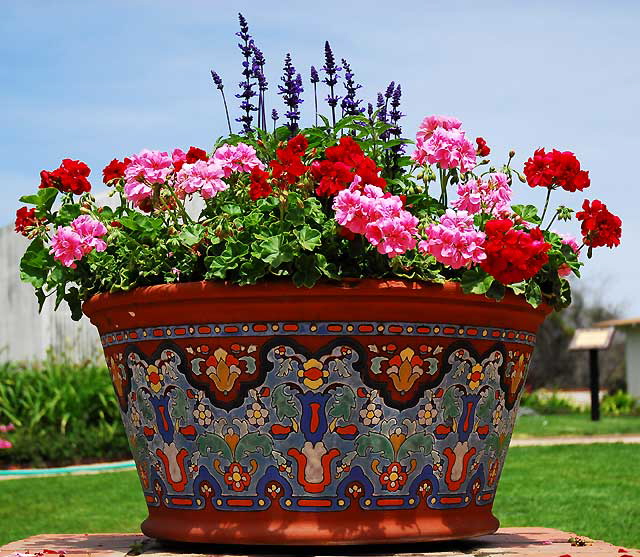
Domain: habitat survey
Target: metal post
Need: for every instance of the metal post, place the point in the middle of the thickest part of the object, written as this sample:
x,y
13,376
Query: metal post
x,y
595,385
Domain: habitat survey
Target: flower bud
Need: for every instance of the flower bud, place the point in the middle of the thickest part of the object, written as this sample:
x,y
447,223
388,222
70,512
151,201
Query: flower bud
x,y
512,154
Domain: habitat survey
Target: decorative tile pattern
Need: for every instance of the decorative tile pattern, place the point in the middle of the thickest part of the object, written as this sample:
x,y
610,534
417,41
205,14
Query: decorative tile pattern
x,y
376,415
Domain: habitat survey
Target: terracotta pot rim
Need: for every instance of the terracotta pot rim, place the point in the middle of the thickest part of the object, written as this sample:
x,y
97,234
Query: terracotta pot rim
x,y
178,293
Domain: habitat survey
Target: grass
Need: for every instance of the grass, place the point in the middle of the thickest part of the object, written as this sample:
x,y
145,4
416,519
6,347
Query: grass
x,y
592,490
573,425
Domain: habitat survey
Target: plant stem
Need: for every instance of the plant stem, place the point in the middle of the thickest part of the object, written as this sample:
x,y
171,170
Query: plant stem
x,y
180,206
333,108
552,220
315,96
546,204
443,185
226,109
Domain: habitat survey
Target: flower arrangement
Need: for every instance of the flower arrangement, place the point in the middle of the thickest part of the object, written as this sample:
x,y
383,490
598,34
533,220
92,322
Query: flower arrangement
x,y
347,197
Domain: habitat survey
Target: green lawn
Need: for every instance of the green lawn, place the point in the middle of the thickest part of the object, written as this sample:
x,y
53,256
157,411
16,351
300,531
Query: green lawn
x,y
593,490
573,425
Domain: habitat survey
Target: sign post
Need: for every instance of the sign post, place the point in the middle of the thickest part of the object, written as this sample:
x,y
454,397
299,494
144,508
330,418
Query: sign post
x,y
593,340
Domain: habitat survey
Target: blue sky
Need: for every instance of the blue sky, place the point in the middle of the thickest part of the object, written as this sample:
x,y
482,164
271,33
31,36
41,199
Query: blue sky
x,y
97,80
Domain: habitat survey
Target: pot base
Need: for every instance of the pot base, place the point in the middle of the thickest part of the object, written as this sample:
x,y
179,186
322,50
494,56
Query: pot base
x,y
349,527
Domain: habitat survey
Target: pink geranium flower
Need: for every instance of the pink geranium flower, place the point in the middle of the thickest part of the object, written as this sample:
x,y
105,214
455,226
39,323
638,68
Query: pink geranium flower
x,y
393,235
71,243
378,215
146,168
203,177
237,158
430,123
454,241
491,195
66,246
564,270
90,230
441,141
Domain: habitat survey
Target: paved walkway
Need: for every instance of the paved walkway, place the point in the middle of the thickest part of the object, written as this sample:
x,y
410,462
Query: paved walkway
x,y
576,440
129,464
506,542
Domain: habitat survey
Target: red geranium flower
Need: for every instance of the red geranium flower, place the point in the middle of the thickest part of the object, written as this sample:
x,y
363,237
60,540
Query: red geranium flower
x,y
343,162
347,151
332,177
26,220
513,255
288,166
600,227
298,145
114,170
259,186
194,154
70,177
483,149
556,169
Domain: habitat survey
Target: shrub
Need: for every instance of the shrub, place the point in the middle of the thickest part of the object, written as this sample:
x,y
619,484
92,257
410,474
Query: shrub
x,y
63,413
544,402
620,404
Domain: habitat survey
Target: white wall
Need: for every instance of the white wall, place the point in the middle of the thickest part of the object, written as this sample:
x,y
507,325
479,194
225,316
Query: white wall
x,y
633,360
25,334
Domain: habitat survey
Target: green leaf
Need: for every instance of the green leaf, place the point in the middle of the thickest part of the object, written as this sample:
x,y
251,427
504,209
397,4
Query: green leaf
x,y
527,212
283,403
35,264
485,406
533,294
252,443
179,406
210,442
67,213
496,291
476,281
450,405
518,287
275,251
43,200
374,443
343,403
191,234
418,442
309,238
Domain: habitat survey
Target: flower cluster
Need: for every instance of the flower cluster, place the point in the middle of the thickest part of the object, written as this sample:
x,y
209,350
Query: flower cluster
x,y
378,216
323,203
513,255
491,194
114,170
71,243
26,221
454,241
599,226
71,177
342,164
556,169
441,141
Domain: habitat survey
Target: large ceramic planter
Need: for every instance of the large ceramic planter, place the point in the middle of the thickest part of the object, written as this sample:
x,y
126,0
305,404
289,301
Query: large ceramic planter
x,y
369,412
